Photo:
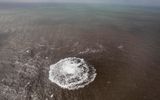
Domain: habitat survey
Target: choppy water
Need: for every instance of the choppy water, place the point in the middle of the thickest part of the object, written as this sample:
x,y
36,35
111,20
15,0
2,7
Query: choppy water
x,y
121,42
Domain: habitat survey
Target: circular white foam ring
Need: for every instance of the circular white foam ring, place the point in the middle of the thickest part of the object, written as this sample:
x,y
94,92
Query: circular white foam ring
x,y
72,73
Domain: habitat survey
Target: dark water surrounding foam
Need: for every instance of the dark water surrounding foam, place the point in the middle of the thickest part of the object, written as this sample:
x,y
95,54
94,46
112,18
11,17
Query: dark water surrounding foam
x,y
121,42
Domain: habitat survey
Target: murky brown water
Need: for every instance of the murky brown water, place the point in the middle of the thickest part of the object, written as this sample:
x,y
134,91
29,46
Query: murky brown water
x,y
122,43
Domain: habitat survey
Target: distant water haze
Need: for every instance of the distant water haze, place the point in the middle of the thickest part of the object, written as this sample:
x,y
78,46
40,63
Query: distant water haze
x,y
124,2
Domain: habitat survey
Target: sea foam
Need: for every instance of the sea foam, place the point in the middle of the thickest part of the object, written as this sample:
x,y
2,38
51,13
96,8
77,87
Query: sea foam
x,y
72,73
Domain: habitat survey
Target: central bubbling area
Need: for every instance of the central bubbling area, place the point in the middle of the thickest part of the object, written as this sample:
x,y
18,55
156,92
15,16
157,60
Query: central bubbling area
x,y
72,73
69,67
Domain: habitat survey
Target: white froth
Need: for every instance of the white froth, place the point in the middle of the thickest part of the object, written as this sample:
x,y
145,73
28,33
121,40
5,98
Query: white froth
x,y
69,69
71,73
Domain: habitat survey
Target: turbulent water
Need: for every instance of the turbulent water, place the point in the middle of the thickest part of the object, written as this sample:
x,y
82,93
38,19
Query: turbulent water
x,y
71,73
122,43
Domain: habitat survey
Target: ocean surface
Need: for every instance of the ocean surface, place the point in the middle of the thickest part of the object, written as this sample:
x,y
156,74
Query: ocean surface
x,y
121,42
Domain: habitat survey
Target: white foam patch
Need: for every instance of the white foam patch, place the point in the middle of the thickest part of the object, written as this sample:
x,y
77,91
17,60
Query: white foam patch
x,y
72,73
